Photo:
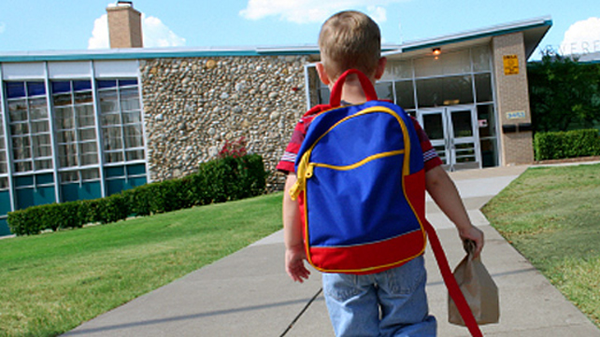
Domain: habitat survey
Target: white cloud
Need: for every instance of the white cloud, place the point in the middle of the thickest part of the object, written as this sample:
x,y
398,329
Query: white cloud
x,y
582,37
2,27
309,11
401,32
154,32
378,14
99,39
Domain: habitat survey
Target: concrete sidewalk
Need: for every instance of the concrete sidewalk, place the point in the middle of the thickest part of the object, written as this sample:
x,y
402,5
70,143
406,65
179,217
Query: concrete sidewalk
x,y
249,294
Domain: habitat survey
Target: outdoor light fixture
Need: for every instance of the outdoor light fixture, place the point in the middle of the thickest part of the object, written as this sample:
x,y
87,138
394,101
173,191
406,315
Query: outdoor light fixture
x,y
436,51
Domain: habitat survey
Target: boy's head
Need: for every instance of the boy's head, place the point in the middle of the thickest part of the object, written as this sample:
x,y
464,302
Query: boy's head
x,y
349,40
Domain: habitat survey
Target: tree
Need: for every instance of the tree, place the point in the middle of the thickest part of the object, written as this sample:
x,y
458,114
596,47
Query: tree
x,y
563,93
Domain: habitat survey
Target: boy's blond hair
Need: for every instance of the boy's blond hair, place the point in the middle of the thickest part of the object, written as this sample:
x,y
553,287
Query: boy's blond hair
x,y
349,40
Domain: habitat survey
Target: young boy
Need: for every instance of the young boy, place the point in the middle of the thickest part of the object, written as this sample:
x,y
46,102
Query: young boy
x,y
392,302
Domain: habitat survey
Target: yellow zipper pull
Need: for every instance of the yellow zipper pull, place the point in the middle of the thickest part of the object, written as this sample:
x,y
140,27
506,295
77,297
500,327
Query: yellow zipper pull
x,y
305,171
309,171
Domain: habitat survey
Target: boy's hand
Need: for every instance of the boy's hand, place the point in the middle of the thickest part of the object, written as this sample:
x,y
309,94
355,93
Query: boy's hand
x,y
294,263
475,234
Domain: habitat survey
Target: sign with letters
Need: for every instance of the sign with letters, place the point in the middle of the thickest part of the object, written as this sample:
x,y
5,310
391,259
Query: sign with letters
x,y
511,64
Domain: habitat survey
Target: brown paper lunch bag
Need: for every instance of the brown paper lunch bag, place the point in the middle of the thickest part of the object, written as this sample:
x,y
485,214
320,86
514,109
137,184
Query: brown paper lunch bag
x,y
479,290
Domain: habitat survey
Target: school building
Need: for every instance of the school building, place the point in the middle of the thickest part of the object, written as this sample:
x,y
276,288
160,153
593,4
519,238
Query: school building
x,y
87,124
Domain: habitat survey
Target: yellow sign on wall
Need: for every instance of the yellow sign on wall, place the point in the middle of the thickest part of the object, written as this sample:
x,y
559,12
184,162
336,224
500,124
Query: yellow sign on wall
x,y
511,65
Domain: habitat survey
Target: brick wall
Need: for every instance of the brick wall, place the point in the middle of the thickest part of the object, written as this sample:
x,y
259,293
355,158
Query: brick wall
x,y
125,27
512,98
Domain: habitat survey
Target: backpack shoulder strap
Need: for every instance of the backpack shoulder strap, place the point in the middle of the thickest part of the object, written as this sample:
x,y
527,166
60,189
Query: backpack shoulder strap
x,y
336,92
317,109
451,284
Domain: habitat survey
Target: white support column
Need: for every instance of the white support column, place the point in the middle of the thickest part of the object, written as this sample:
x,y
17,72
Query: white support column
x,y
143,117
307,85
7,143
55,162
498,129
98,120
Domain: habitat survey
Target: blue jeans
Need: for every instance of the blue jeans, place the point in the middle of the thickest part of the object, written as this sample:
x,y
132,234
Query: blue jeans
x,y
390,303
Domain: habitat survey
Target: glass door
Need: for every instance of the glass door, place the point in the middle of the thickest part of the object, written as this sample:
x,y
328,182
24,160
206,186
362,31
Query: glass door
x,y
454,135
464,138
434,124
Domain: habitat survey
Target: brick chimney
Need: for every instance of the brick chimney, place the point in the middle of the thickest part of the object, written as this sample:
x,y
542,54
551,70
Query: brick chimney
x,y
124,25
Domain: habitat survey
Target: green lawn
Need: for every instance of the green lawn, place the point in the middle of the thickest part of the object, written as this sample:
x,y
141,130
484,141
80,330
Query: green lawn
x,y
552,216
53,282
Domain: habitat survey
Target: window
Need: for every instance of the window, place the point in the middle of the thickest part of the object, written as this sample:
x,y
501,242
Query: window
x,y
121,120
122,177
74,176
450,63
395,70
481,57
405,94
445,91
29,126
3,157
75,124
483,87
384,90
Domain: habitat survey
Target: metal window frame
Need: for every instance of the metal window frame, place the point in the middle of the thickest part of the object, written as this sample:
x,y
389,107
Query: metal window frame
x,y
76,128
7,143
29,135
52,130
471,73
123,149
99,136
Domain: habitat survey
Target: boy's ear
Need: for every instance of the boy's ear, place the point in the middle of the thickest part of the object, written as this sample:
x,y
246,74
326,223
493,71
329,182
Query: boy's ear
x,y
323,74
380,68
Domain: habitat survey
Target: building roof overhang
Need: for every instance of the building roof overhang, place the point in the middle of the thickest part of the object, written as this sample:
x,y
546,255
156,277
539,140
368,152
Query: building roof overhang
x,y
590,57
533,31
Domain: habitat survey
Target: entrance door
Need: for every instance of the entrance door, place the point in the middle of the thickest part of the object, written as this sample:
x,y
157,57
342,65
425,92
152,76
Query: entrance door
x,y
454,135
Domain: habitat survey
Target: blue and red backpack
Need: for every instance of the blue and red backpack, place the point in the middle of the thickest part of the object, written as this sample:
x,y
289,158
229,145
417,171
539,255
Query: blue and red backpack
x,y
361,191
361,186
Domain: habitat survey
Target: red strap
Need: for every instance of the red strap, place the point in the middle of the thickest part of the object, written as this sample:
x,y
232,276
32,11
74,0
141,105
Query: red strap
x,y
453,288
336,92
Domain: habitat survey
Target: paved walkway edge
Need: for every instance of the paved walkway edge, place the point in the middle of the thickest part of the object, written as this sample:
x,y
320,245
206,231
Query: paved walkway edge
x,y
248,293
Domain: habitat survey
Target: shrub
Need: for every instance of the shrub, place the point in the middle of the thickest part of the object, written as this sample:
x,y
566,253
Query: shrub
x,y
23,222
253,176
168,196
233,176
140,199
86,212
33,220
111,209
566,144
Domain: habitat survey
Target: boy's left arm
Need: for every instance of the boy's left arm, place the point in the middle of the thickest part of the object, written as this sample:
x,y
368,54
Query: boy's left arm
x,y
292,234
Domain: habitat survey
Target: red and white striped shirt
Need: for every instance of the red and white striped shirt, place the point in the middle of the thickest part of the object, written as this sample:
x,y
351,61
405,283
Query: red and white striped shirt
x,y
286,164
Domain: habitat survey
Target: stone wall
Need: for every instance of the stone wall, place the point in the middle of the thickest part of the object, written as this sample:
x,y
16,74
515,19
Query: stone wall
x,y
193,105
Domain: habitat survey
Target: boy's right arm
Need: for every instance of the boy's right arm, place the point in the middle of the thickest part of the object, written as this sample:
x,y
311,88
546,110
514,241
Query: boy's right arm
x,y
292,235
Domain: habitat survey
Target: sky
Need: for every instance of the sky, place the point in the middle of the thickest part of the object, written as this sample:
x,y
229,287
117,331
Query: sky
x,y
41,25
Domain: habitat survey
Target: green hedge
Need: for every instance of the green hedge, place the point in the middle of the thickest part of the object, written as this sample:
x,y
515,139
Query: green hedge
x,y
566,144
218,180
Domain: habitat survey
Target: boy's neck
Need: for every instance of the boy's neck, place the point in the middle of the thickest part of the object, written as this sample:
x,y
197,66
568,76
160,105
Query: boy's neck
x,y
352,92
